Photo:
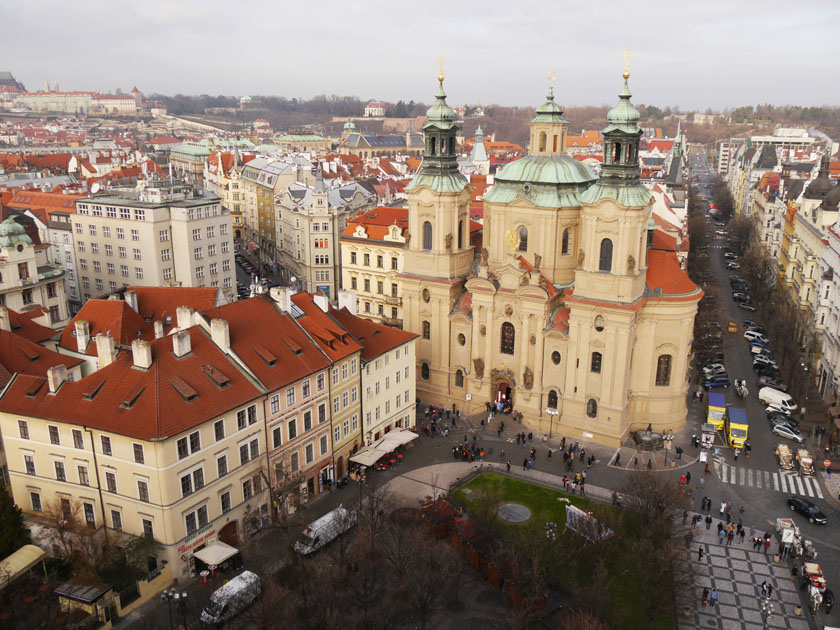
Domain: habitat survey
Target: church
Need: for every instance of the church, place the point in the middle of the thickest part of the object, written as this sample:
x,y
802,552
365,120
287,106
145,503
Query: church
x,y
566,311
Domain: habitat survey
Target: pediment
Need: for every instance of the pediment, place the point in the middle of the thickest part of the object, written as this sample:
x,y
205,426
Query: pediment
x,y
510,277
360,232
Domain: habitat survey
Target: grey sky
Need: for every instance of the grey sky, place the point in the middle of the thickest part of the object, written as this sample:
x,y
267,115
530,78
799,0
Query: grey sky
x,y
687,53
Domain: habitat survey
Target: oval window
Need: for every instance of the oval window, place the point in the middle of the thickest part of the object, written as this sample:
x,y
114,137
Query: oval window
x,y
555,357
599,323
426,295
461,339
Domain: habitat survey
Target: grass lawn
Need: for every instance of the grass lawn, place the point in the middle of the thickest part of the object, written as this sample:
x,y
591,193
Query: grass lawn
x,y
546,504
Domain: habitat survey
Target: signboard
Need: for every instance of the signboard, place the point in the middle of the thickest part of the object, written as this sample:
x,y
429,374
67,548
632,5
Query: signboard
x,y
587,434
827,463
197,538
586,525
703,456
469,396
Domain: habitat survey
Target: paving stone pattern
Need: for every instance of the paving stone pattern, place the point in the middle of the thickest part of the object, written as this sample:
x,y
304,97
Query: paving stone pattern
x,y
736,571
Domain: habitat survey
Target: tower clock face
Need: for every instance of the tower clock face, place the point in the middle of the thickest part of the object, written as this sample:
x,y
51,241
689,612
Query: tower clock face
x,y
426,295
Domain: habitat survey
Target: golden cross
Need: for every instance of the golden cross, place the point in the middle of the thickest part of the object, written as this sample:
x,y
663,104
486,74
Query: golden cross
x,y
626,63
551,77
440,61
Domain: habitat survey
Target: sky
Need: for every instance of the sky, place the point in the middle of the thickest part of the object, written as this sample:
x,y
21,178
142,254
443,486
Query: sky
x,y
684,53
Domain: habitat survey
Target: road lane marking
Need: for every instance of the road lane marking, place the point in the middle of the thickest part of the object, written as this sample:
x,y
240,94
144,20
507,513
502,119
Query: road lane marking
x,y
798,482
742,474
779,480
817,489
734,475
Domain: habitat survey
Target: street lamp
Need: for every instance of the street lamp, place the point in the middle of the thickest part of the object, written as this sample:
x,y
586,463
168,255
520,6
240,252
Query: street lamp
x,y
766,612
551,413
180,598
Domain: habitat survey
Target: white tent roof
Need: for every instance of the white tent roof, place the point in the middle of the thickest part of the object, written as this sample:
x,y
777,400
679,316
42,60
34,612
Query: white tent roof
x,y
368,456
216,553
19,563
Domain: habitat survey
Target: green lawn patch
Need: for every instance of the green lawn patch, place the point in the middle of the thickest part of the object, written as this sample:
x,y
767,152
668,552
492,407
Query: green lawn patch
x,y
571,563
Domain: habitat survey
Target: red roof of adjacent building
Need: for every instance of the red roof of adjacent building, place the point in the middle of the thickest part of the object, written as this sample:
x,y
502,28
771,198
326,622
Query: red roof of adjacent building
x,y
285,356
664,273
41,204
19,355
376,339
664,241
22,325
173,396
377,222
160,303
663,146
333,339
112,317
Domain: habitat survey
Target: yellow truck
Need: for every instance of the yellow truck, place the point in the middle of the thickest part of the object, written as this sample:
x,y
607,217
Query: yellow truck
x,y
784,456
805,462
717,410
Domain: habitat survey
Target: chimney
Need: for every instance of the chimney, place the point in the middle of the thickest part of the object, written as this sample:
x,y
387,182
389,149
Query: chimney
x,y
5,322
347,299
113,296
158,329
82,336
181,343
56,377
184,314
283,297
220,333
131,299
142,352
321,301
105,350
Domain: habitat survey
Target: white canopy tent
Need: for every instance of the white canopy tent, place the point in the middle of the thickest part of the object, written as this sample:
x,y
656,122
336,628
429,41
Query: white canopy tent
x,y
216,552
12,567
370,455
367,457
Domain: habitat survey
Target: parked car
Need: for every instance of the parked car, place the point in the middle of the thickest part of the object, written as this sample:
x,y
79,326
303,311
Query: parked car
x,y
716,382
733,265
730,255
768,381
710,373
762,360
768,370
746,306
787,432
748,323
752,335
774,417
714,366
807,509
741,297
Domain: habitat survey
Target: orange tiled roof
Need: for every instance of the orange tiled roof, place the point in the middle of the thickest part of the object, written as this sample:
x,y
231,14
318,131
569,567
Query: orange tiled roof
x,y
664,241
284,356
19,355
42,204
376,339
664,273
158,303
333,339
377,222
23,326
143,404
114,317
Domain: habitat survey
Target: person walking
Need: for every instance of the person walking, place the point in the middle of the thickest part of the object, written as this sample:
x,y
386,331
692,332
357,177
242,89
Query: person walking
x,y
700,553
769,590
708,521
721,534
705,598
828,600
525,464
764,588
729,536
508,465
766,545
617,460
702,482
582,489
741,535
714,597
688,477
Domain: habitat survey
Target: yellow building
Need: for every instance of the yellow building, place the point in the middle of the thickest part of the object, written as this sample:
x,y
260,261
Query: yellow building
x,y
568,314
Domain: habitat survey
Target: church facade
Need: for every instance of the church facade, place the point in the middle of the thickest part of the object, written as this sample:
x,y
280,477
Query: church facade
x,y
566,311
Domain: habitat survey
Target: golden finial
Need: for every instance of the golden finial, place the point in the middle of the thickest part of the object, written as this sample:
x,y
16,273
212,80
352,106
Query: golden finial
x,y
440,61
626,74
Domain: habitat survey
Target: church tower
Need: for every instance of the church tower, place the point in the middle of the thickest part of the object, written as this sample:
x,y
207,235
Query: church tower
x,y
438,254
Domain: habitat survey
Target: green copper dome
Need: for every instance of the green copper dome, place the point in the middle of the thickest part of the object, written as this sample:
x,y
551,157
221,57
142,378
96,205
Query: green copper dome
x,y
440,114
546,169
549,112
623,116
12,232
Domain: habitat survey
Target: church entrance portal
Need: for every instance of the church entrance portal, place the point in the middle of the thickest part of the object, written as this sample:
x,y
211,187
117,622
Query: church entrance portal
x,y
503,394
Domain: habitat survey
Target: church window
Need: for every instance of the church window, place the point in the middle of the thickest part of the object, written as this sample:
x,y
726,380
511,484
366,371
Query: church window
x,y
663,370
434,146
427,330
555,143
617,153
596,362
424,371
605,262
460,234
523,239
426,296
599,323
427,236
555,357
592,408
461,339
542,142
459,378
552,399
508,338
564,247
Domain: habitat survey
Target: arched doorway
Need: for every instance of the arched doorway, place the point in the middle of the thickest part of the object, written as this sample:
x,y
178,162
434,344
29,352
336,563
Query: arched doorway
x,y
339,468
228,534
504,393
238,234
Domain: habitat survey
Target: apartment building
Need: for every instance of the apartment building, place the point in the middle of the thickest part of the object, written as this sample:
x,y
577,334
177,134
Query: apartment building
x,y
388,378
310,221
186,162
29,282
163,233
166,440
222,175
372,260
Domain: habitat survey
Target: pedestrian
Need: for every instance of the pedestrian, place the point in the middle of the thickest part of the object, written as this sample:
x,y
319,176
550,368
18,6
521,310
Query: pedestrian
x,y
583,476
714,597
705,598
508,465
582,489
685,516
650,464
687,477
736,454
700,553
756,541
766,545
769,589
574,487
721,535
828,600
636,465
728,517
729,536
525,464
702,482
682,480
741,535
741,511
764,588
618,459
708,521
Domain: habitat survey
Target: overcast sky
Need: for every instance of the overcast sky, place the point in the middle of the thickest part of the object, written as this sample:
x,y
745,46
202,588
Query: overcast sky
x,y
685,53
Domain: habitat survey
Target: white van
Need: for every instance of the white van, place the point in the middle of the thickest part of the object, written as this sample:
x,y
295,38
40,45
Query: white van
x,y
327,528
770,396
232,598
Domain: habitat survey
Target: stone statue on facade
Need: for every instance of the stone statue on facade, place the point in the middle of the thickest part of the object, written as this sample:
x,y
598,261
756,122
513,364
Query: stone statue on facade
x,y
581,256
528,378
485,256
537,261
479,367
631,264
448,241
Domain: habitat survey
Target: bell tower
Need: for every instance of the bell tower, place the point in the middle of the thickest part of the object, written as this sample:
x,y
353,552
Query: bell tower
x,y
438,254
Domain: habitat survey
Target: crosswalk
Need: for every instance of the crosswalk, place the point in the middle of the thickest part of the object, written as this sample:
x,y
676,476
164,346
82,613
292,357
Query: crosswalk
x,y
786,481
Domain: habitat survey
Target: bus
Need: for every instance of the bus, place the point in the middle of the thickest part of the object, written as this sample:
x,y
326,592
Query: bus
x,y
717,411
737,427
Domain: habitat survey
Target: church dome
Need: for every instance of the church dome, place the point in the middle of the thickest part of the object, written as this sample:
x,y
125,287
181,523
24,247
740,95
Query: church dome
x,y
440,114
832,199
546,169
624,113
821,186
12,232
349,125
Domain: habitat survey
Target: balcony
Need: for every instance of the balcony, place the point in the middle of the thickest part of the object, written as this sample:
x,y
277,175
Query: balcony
x,y
392,321
393,300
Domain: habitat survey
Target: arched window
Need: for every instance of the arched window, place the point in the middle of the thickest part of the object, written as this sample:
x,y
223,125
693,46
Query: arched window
x,y
592,408
460,234
508,338
542,142
605,262
596,363
663,370
433,146
427,236
552,399
424,371
427,330
617,153
555,143
523,239
459,378
564,247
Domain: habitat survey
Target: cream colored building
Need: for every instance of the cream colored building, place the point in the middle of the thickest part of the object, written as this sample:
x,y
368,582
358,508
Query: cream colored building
x,y
28,280
568,313
167,439
372,260
164,233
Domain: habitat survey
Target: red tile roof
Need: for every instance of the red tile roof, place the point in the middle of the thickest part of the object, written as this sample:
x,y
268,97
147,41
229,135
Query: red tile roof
x,y
114,317
108,399
377,222
41,204
376,339
664,273
23,326
333,338
158,303
283,357
19,355
663,241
